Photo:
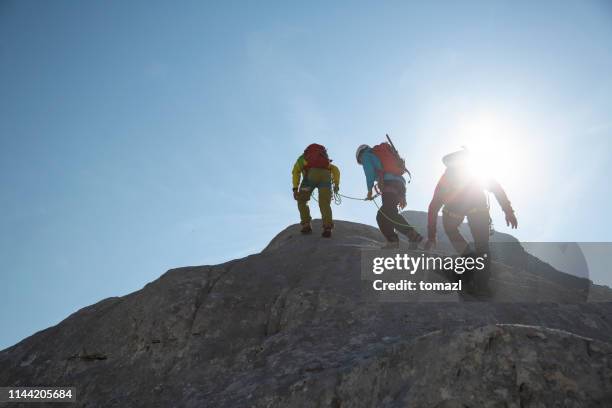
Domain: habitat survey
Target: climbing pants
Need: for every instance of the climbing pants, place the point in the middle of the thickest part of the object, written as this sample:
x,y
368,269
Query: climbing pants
x,y
478,221
388,217
320,179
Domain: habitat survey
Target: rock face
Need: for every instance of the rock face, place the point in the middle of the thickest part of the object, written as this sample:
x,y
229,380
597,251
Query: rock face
x,y
290,327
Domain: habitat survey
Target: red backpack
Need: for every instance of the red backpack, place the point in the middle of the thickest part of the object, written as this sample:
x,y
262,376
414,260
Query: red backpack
x,y
316,157
390,160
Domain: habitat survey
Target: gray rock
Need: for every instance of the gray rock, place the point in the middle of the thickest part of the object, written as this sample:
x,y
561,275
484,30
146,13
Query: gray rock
x,y
291,327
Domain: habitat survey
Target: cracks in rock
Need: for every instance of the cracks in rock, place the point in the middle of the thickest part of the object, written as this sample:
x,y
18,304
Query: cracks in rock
x,y
491,341
198,302
88,356
275,313
267,328
524,395
204,290
82,356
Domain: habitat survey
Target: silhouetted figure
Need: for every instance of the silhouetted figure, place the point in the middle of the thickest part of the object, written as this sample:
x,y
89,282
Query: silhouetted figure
x,y
461,194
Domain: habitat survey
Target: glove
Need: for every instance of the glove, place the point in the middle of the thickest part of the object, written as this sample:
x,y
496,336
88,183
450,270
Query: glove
x,y
336,189
369,197
511,219
295,193
431,244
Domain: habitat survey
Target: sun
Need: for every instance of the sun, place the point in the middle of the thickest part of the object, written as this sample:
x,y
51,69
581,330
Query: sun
x,y
493,145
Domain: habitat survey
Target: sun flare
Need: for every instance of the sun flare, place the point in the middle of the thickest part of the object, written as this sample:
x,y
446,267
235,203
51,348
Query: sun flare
x,y
492,143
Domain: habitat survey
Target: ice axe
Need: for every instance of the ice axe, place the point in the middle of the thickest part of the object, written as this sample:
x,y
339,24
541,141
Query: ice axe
x,y
399,158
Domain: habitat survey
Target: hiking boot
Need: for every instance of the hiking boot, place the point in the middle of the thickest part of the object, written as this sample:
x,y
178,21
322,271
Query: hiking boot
x,y
391,245
306,229
415,239
326,233
477,285
414,243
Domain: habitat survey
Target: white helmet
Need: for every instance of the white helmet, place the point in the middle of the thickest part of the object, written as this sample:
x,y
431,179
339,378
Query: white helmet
x,y
360,150
457,158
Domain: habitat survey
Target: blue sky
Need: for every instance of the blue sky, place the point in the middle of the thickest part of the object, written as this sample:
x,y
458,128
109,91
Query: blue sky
x,y
140,136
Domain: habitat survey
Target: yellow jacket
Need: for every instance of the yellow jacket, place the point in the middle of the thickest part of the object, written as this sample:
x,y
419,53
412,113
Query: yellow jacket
x,y
299,171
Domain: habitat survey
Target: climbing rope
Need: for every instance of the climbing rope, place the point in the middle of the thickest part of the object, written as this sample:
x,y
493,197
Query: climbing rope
x,y
338,200
377,206
337,197
389,218
355,198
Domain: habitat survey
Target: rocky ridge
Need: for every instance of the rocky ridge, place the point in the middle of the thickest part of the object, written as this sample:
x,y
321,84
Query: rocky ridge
x,y
291,326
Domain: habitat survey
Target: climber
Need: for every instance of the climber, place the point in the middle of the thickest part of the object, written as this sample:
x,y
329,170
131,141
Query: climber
x,y
383,165
462,194
316,171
